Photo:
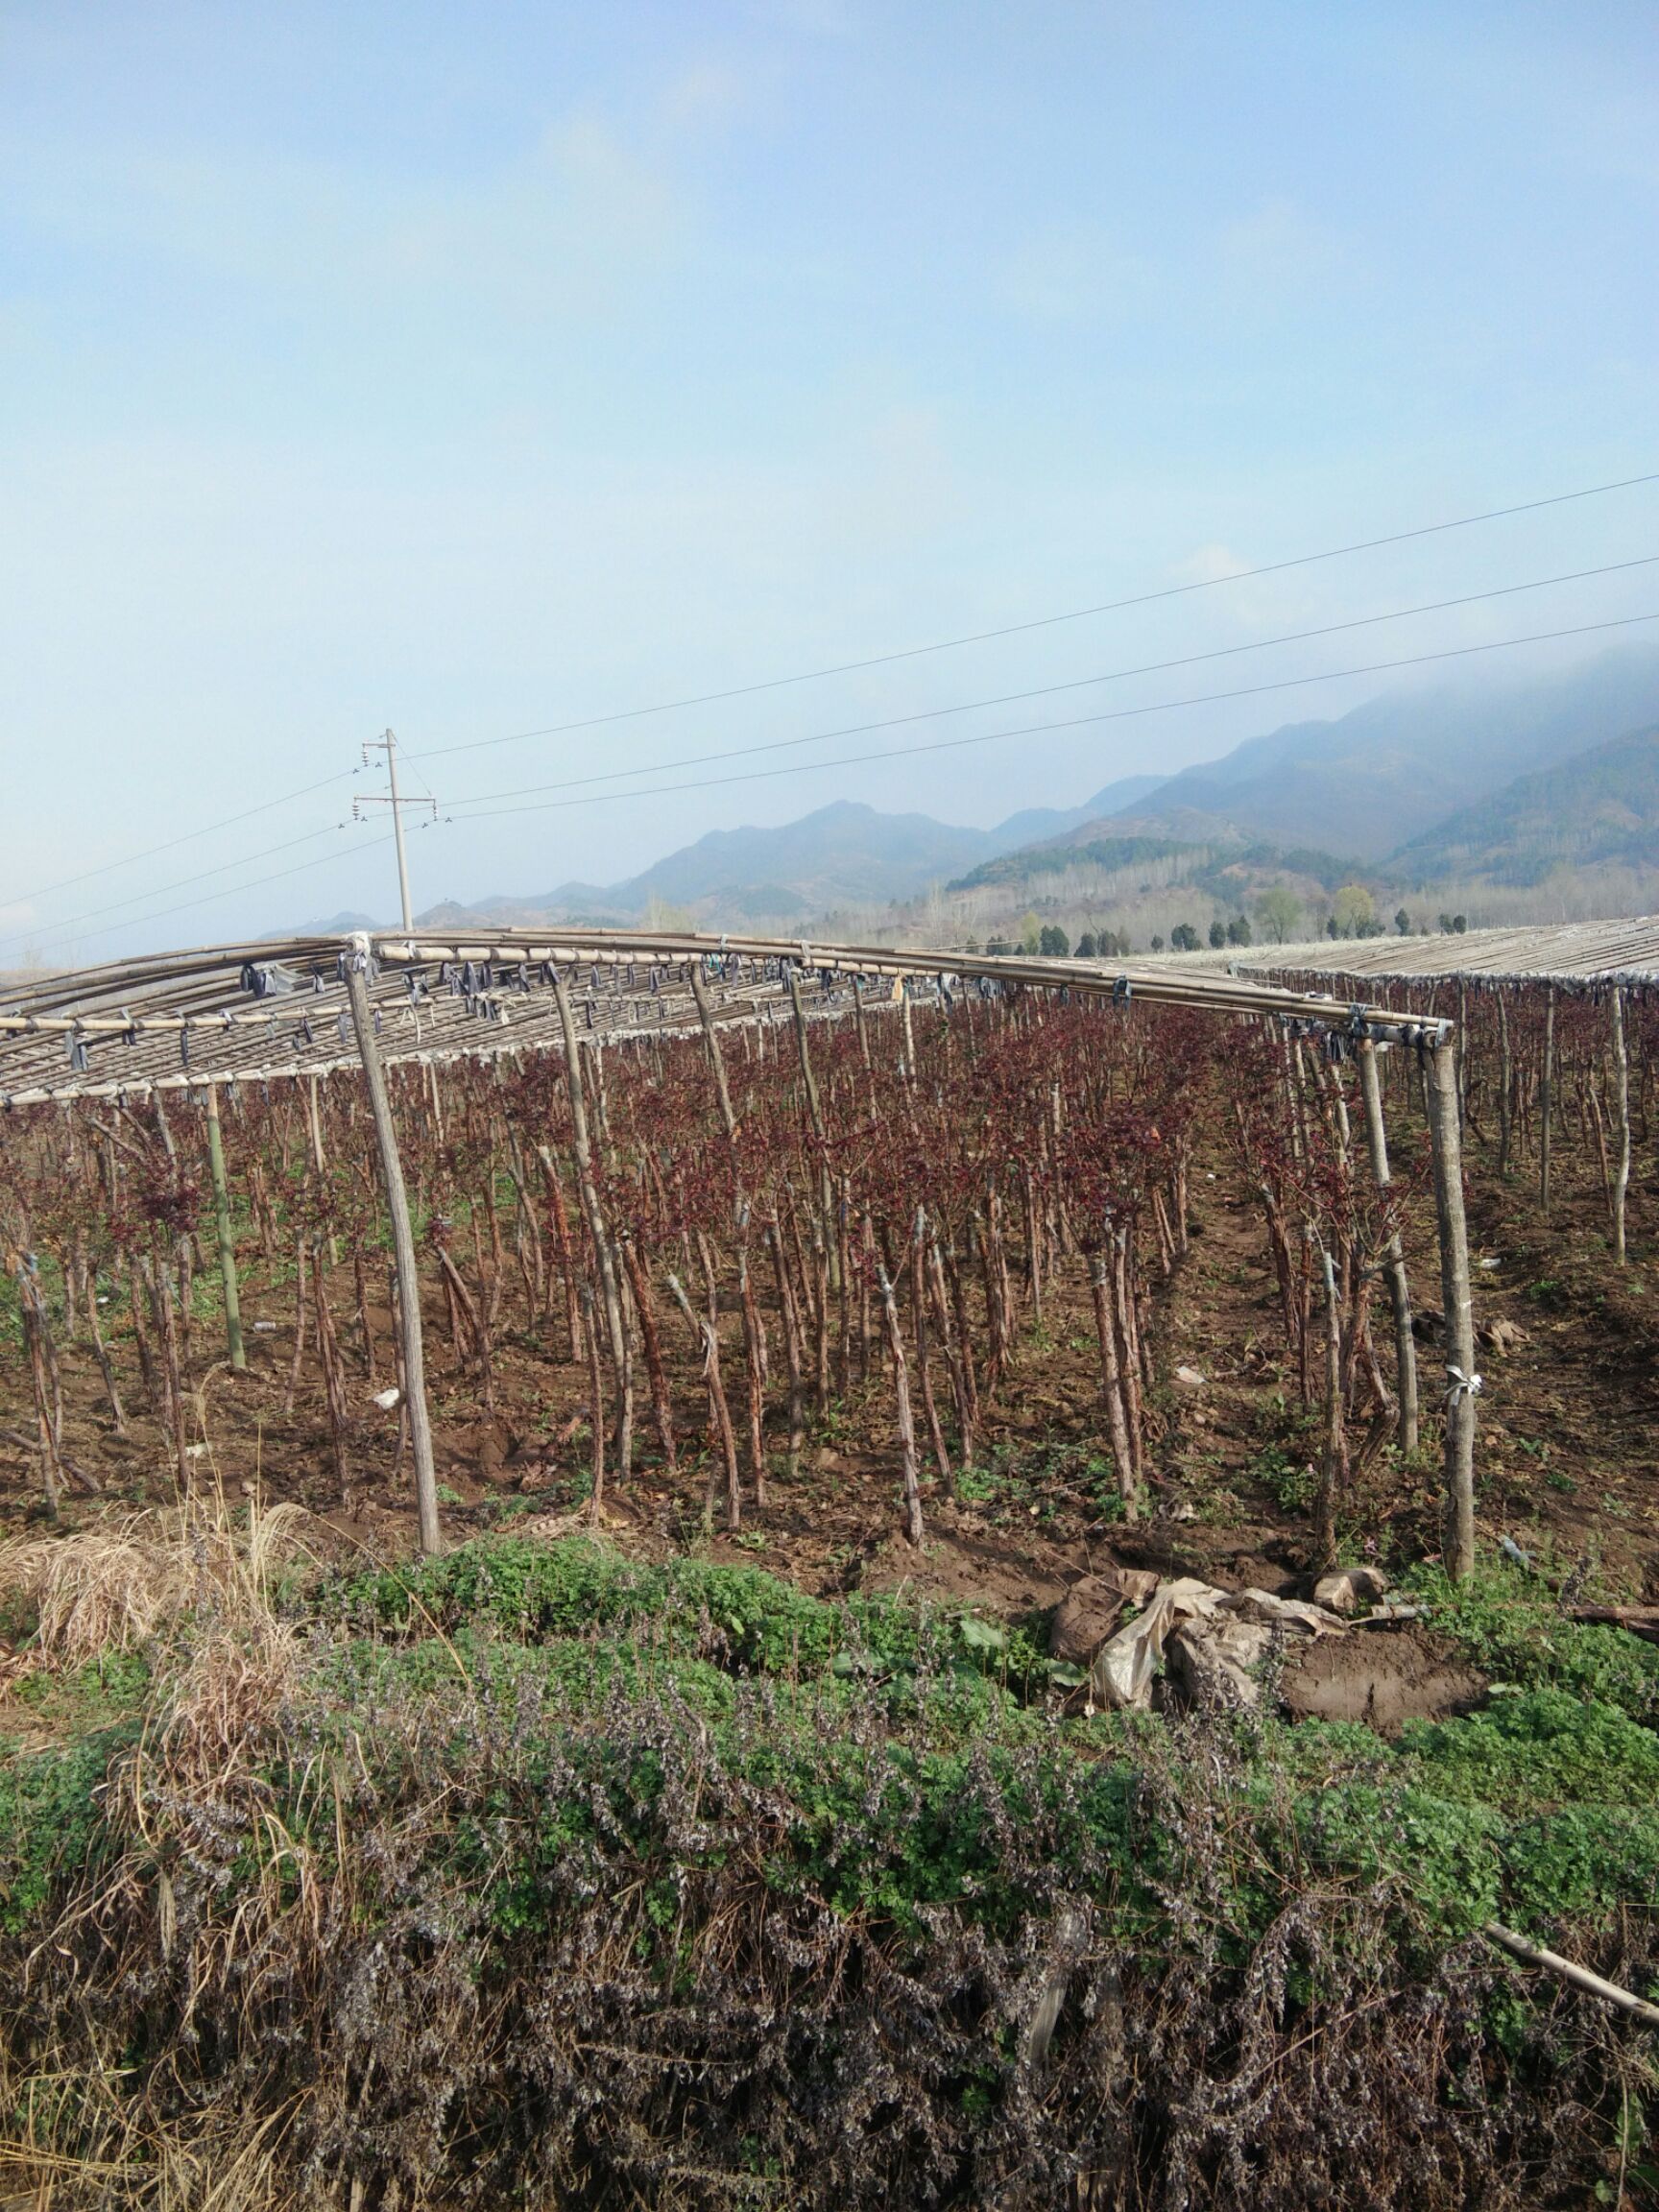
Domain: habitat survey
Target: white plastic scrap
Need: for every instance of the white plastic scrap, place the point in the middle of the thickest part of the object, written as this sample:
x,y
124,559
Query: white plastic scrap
x,y
1214,1661
1124,1668
1213,1639
1349,1588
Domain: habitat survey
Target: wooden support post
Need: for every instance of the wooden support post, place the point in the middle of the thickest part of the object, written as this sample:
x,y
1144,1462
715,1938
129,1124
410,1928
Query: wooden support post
x,y
716,1060
1545,1097
863,1026
1458,1549
1622,1094
621,1363
1334,1460
815,1115
814,1111
404,1260
226,1241
909,1470
1399,1285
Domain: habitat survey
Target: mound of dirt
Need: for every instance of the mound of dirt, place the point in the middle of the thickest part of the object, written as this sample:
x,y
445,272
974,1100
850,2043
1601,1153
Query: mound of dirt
x,y
1383,1677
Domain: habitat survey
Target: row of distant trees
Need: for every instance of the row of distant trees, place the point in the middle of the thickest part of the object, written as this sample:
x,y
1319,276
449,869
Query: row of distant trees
x,y
1280,915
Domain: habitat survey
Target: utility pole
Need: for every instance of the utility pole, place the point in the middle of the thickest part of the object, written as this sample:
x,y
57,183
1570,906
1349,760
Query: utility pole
x,y
387,744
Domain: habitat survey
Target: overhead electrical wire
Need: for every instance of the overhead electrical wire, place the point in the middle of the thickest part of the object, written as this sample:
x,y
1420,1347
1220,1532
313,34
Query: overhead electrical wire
x,y
874,660
1075,722
1047,690
189,836
490,812
1038,622
60,930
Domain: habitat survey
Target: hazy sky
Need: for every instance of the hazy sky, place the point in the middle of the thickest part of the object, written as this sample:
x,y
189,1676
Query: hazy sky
x,y
476,369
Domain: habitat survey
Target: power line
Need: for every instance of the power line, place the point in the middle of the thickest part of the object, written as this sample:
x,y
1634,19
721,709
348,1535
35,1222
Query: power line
x,y
735,691
277,876
190,837
742,691
1077,722
1047,690
1038,622
78,922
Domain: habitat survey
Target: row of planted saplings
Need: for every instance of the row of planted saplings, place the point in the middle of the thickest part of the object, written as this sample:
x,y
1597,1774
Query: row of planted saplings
x,y
892,1199
1553,1078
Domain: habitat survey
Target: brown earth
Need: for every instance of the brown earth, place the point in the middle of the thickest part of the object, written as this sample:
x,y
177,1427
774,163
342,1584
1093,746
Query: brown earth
x,y
1381,1676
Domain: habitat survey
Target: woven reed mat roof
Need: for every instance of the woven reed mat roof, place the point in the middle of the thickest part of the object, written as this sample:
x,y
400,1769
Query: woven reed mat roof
x,y
1560,951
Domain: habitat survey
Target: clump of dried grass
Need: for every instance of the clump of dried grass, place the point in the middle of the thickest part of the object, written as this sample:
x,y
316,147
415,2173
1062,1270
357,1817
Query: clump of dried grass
x,y
116,1585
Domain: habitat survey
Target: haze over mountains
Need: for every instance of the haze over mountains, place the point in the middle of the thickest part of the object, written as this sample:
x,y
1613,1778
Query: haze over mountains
x,y
1467,783
1383,774
843,855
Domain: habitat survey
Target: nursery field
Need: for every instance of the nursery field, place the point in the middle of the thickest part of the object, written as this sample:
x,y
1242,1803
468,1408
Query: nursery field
x,y
948,1671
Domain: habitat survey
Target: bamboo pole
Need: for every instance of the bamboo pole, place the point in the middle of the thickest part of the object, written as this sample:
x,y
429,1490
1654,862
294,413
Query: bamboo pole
x,y
1458,1549
405,1263
226,1240
1399,1284
1569,1970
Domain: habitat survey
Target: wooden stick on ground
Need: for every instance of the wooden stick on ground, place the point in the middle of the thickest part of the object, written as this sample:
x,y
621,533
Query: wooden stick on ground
x,y
1580,1977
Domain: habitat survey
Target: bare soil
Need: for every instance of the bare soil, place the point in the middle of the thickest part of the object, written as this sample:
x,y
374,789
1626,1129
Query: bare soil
x,y
1381,1676
1568,1457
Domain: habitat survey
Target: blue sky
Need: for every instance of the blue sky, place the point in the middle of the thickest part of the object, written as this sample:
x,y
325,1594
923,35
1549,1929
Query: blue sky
x,y
476,369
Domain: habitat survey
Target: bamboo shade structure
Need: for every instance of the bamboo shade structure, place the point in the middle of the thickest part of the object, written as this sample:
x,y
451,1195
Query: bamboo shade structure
x,y
257,1010
1571,953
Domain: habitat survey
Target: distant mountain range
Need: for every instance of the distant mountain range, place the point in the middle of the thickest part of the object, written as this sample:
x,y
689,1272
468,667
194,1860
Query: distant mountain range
x,y
843,855
1366,785
1600,807
1497,781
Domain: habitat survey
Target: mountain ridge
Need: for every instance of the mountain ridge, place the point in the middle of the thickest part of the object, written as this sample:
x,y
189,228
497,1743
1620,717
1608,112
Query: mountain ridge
x,y
1366,792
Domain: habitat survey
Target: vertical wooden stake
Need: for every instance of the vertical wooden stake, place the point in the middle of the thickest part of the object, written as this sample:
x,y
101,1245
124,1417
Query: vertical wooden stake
x,y
1621,1088
815,1113
621,1362
1546,1095
1458,1543
404,1260
226,1241
858,1018
1334,1459
911,1473
1399,1288
1111,1381
716,1059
